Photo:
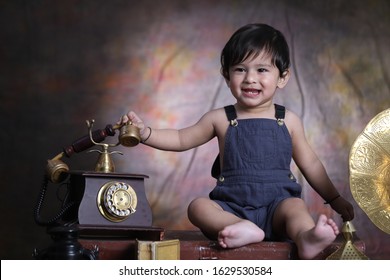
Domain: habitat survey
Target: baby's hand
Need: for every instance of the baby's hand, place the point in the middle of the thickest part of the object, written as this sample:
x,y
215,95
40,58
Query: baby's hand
x,y
134,119
344,208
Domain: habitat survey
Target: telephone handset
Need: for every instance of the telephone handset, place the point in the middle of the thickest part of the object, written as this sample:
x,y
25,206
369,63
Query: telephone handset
x,y
116,200
129,137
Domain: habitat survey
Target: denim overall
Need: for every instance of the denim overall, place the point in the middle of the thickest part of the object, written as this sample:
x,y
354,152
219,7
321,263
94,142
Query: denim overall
x,y
256,174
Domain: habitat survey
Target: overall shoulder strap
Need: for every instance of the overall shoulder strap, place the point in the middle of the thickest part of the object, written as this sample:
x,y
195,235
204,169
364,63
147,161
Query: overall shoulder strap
x,y
231,114
280,113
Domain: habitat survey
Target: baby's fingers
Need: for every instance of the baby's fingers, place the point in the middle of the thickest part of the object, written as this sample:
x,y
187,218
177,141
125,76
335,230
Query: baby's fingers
x,y
133,117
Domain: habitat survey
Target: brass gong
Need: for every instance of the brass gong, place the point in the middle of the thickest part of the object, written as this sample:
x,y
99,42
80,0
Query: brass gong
x,y
369,164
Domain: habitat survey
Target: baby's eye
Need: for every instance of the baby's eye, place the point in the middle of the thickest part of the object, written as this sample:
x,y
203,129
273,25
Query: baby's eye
x,y
261,70
239,69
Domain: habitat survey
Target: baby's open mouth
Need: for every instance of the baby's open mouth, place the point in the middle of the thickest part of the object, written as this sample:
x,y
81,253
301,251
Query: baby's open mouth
x,y
250,91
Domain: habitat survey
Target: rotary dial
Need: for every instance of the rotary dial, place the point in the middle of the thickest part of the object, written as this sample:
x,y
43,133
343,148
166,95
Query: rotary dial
x,y
116,201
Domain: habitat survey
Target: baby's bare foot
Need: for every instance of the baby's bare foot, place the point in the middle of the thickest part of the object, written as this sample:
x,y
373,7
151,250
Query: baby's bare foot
x,y
240,234
312,242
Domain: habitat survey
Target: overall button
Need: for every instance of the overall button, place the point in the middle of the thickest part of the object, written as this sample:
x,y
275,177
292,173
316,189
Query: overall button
x,y
221,179
291,176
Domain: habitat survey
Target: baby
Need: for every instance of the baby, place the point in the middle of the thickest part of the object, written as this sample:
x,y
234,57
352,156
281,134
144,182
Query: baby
x,y
256,196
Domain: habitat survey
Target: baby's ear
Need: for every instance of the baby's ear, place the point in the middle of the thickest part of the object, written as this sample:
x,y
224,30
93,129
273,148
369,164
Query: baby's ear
x,y
283,79
226,78
227,81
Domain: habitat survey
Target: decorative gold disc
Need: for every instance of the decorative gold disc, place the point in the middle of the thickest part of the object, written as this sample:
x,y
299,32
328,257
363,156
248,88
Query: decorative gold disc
x,y
369,165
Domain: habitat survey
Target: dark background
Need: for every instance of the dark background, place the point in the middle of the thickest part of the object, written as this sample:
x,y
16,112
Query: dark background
x,y
63,62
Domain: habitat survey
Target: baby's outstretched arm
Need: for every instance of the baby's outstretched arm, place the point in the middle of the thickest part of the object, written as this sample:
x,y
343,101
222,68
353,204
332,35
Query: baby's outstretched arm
x,y
163,139
174,139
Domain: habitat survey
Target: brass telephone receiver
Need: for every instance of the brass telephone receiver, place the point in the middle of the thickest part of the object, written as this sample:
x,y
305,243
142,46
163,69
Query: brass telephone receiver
x,y
57,170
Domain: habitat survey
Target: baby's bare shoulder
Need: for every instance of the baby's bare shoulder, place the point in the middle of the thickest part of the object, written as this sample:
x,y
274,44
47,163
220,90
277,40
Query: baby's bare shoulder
x,y
217,117
293,122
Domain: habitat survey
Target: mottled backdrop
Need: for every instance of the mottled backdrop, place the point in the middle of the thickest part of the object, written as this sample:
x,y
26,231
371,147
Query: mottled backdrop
x,y
63,62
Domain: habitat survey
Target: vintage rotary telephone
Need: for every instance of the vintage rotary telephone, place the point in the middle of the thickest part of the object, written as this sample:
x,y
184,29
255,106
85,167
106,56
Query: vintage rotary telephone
x,y
100,197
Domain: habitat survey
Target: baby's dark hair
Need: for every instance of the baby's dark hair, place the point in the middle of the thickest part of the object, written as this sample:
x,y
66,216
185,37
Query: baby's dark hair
x,y
251,40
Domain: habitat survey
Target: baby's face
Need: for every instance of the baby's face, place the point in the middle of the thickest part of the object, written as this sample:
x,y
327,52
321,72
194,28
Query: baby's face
x,y
255,80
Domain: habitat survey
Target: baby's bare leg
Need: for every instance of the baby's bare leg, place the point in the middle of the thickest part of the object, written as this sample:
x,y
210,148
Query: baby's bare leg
x,y
292,218
230,230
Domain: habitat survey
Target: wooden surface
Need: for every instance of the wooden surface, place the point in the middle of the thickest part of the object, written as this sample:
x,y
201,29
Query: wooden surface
x,y
121,245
